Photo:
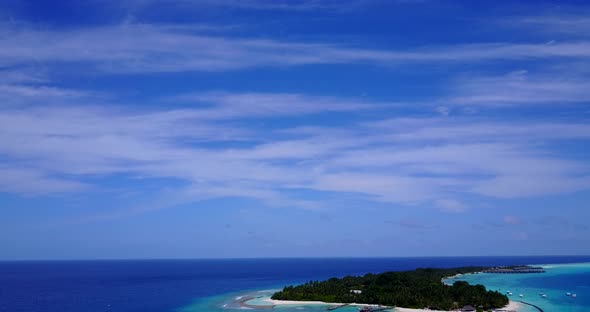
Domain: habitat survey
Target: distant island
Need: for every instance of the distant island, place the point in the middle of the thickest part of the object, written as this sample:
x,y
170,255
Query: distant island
x,y
517,269
421,288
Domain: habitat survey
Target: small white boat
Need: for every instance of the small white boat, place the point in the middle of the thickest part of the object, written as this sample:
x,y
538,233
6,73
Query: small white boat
x,y
521,295
574,296
544,296
568,294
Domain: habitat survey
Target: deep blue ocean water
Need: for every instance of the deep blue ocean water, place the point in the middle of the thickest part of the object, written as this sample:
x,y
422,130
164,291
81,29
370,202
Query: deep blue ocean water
x,y
172,285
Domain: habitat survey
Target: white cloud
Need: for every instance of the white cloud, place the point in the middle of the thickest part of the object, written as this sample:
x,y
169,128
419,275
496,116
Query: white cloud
x,y
571,22
396,160
234,105
276,5
34,182
36,91
378,186
22,75
475,129
134,48
519,88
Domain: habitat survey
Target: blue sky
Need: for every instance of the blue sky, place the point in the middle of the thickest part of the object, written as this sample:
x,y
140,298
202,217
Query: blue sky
x,y
226,128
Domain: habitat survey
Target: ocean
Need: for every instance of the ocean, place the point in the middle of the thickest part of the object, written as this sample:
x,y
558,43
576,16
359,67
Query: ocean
x,y
555,283
204,285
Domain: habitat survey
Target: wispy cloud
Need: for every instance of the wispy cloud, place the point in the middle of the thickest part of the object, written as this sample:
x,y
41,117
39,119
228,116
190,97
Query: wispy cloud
x,y
298,5
478,130
276,5
22,75
34,182
228,144
248,105
570,21
137,48
404,161
82,141
19,91
520,88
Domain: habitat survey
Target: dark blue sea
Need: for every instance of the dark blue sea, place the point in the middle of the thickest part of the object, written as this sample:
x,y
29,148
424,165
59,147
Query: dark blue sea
x,y
172,285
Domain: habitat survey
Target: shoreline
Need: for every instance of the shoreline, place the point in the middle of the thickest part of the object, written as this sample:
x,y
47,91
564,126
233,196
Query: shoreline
x,y
456,276
513,306
265,302
354,304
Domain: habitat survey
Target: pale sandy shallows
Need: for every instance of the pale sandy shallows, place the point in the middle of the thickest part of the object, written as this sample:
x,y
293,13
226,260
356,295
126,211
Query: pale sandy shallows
x,y
414,310
288,302
511,307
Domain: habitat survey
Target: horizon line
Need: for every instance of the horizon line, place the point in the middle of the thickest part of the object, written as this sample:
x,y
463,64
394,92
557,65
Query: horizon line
x,y
281,258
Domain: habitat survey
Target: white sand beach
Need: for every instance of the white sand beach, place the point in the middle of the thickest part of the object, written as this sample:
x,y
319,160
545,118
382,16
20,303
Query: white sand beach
x,y
511,307
415,310
289,302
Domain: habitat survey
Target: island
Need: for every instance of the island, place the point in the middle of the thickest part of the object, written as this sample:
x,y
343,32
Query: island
x,y
421,288
515,269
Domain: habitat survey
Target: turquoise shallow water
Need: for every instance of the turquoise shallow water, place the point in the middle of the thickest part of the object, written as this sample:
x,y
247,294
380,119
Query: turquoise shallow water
x,y
555,283
231,302
207,285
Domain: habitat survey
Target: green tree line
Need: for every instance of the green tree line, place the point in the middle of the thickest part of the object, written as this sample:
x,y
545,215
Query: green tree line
x,y
422,288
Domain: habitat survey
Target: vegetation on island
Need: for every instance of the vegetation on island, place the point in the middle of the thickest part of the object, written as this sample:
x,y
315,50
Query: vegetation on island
x,y
422,288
